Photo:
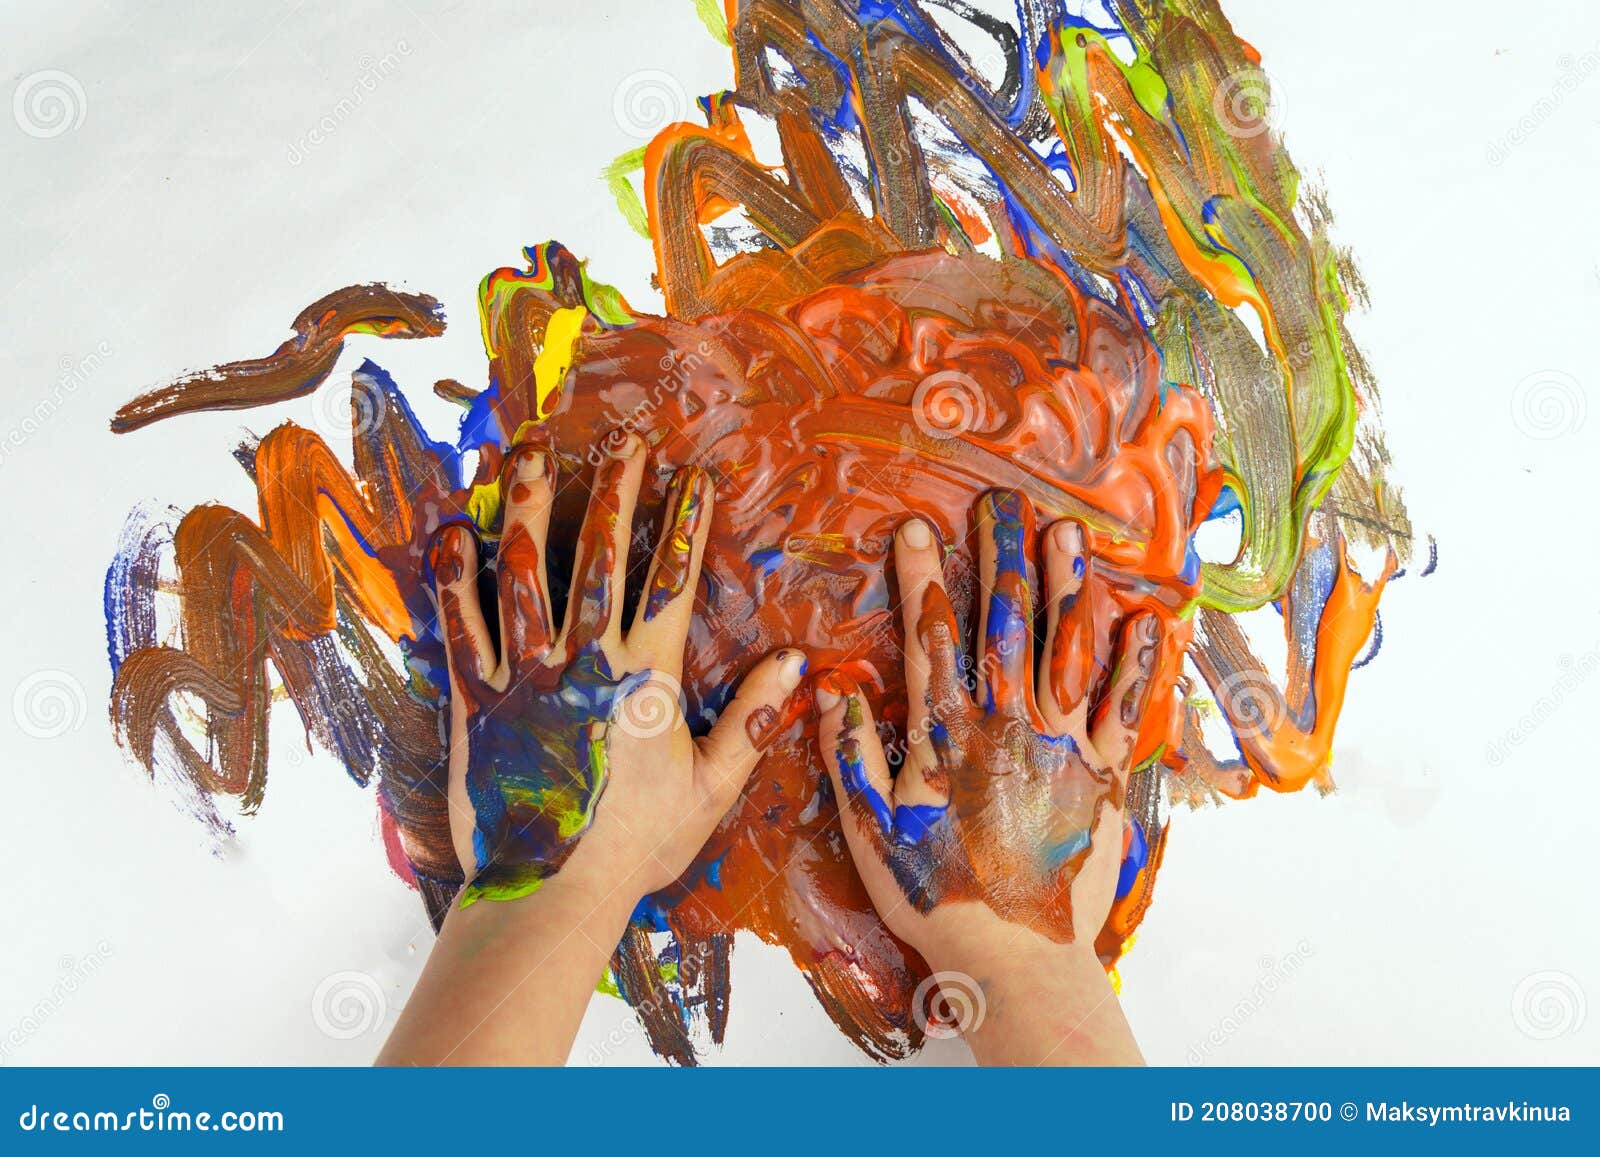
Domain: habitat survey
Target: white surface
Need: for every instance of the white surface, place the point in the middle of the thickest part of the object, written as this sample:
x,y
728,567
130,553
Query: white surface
x,y
170,228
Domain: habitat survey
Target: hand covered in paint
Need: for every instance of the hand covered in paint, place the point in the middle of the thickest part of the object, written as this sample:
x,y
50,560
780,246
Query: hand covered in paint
x,y
1003,832
569,751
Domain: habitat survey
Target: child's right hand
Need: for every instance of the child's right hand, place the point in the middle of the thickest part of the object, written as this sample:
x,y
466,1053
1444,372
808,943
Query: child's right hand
x,y
999,844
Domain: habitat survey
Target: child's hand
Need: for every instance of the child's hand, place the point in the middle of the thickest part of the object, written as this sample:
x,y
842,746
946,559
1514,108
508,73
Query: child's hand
x,y
572,774
996,851
569,751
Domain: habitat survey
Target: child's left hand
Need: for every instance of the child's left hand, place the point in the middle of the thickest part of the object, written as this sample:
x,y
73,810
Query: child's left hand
x,y
569,752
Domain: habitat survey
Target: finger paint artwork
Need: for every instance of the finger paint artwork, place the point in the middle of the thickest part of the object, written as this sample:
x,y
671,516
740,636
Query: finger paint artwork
x,y
1060,254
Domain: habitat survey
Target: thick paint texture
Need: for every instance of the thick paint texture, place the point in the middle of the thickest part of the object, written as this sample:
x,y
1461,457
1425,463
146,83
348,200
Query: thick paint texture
x,y
1077,266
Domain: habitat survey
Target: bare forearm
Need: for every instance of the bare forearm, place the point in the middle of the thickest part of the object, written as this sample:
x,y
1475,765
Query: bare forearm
x,y
1050,1006
508,981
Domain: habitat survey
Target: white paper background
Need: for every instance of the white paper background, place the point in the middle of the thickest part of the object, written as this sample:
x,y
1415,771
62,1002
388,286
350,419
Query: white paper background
x,y
172,227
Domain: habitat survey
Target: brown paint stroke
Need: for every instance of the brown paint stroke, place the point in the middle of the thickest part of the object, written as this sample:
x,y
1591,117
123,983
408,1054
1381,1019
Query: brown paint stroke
x,y
299,365
796,369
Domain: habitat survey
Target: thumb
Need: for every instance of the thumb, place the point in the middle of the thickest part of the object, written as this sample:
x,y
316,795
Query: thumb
x,y
749,725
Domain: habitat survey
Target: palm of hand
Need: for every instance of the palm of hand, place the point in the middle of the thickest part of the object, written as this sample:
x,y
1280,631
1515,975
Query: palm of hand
x,y
1004,800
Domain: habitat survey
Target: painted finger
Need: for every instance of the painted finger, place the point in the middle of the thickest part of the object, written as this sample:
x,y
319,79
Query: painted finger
x,y
1118,719
1005,530
469,654
661,624
951,713
758,715
919,565
454,559
525,622
1067,664
600,573
848,738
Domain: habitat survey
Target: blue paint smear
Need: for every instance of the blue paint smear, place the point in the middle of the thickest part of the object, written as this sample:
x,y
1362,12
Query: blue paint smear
x,y
129,593
1057,856
1134,861
1375,646
767,559
853,774
914,823
395,402
1227,503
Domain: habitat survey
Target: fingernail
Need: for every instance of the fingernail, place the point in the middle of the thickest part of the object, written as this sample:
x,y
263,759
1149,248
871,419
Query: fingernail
x,y
829,691
761,727
447,557
1150,628
1005,505
530,465
792,669
1132,702
1069,537
523,468
916,534
621,443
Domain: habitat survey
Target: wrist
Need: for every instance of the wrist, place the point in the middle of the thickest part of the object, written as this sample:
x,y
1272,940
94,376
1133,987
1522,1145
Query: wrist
x,y
587,900
1034,1002
562,903
590,878
1015,951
